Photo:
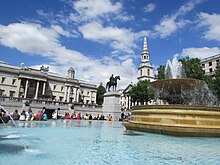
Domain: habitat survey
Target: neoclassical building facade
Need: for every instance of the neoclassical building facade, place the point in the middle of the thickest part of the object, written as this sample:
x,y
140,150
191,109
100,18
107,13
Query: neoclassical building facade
x,y
210,64
24,82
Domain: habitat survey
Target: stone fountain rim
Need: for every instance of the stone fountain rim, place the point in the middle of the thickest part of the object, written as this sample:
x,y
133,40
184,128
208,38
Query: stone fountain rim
x,y
178,79
176,107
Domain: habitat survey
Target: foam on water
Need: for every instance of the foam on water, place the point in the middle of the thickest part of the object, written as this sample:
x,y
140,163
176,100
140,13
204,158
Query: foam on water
x,y
33,151
12,136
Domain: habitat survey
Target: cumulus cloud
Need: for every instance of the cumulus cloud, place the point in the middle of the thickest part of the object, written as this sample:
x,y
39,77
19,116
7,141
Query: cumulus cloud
x,y
120,39
200,53
212,24
37,40
169,24
87,10
150,7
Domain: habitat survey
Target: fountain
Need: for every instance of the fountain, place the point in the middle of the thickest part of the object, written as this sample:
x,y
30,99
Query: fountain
x,y
187,107
4,120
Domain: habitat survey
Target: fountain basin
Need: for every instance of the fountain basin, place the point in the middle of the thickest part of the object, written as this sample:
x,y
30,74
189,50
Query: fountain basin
x,y
176,120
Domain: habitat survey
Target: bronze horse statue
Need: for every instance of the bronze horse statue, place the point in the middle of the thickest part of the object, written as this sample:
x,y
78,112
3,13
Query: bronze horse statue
x,y
112,83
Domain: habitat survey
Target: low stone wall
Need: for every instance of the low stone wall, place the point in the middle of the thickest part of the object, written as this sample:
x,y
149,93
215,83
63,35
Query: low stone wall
x,y
10,104
176,120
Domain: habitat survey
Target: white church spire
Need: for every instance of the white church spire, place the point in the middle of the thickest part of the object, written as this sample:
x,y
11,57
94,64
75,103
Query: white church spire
x,y
145,70
145,56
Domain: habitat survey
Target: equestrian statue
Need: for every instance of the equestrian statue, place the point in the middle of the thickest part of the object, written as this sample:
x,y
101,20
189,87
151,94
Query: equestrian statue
x,y
112,83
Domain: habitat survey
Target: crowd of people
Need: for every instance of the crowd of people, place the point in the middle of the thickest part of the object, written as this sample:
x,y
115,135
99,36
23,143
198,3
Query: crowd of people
x,y
29,115
42,116
86,116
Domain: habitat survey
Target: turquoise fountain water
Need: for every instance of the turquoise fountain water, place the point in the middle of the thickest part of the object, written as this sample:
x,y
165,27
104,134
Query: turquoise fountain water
x,y
68,142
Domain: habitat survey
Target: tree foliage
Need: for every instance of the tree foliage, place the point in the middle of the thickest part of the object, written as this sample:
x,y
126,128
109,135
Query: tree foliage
x,y
141,92
216,83
161,72
193,68
100,93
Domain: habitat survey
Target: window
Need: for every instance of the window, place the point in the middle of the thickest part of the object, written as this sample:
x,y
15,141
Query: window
x,y
88,93
13,81
3,79
148,72
144,57
61,88
141,72
210,63
210,70
54,87
11,93
203,65
2,92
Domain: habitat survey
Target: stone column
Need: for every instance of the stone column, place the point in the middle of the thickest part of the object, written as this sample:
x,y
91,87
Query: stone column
x,y
127,100
36,92
26,89
130,102
75,94
44,88
18,87
65,93
77,98
95,97
68,95
90,99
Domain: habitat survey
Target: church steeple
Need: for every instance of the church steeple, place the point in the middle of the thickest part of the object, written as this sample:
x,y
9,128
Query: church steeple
x,y
145,56
145,70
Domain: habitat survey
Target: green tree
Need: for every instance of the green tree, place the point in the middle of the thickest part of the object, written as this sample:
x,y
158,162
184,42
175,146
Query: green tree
x,y
100,93
193,68
161,72
141,92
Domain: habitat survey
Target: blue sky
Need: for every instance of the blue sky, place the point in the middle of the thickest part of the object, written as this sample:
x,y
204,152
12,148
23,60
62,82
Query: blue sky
x,y
103,37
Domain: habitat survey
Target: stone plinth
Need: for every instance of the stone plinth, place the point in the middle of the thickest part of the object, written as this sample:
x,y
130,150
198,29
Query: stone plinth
x,y
112,105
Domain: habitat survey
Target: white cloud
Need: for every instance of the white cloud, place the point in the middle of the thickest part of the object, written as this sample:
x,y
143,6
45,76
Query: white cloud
x,y
41,41
200,53
122,40
88,10
212,24
150,7
169,24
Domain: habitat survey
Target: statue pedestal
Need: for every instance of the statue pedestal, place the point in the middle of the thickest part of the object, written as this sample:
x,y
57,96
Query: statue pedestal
x,y
112,105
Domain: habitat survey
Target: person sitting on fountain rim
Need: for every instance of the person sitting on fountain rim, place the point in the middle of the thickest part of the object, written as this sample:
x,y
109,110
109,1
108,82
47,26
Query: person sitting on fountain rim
x,y
3,117
15,115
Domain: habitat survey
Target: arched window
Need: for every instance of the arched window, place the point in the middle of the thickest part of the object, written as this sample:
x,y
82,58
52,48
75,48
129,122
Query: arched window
x,y
148,72
141,72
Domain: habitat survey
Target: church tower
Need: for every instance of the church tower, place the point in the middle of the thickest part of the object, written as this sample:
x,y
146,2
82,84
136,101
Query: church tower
x,y
145,70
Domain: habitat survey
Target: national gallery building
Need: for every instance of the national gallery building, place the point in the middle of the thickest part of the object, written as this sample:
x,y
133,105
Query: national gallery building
x,y
28,83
